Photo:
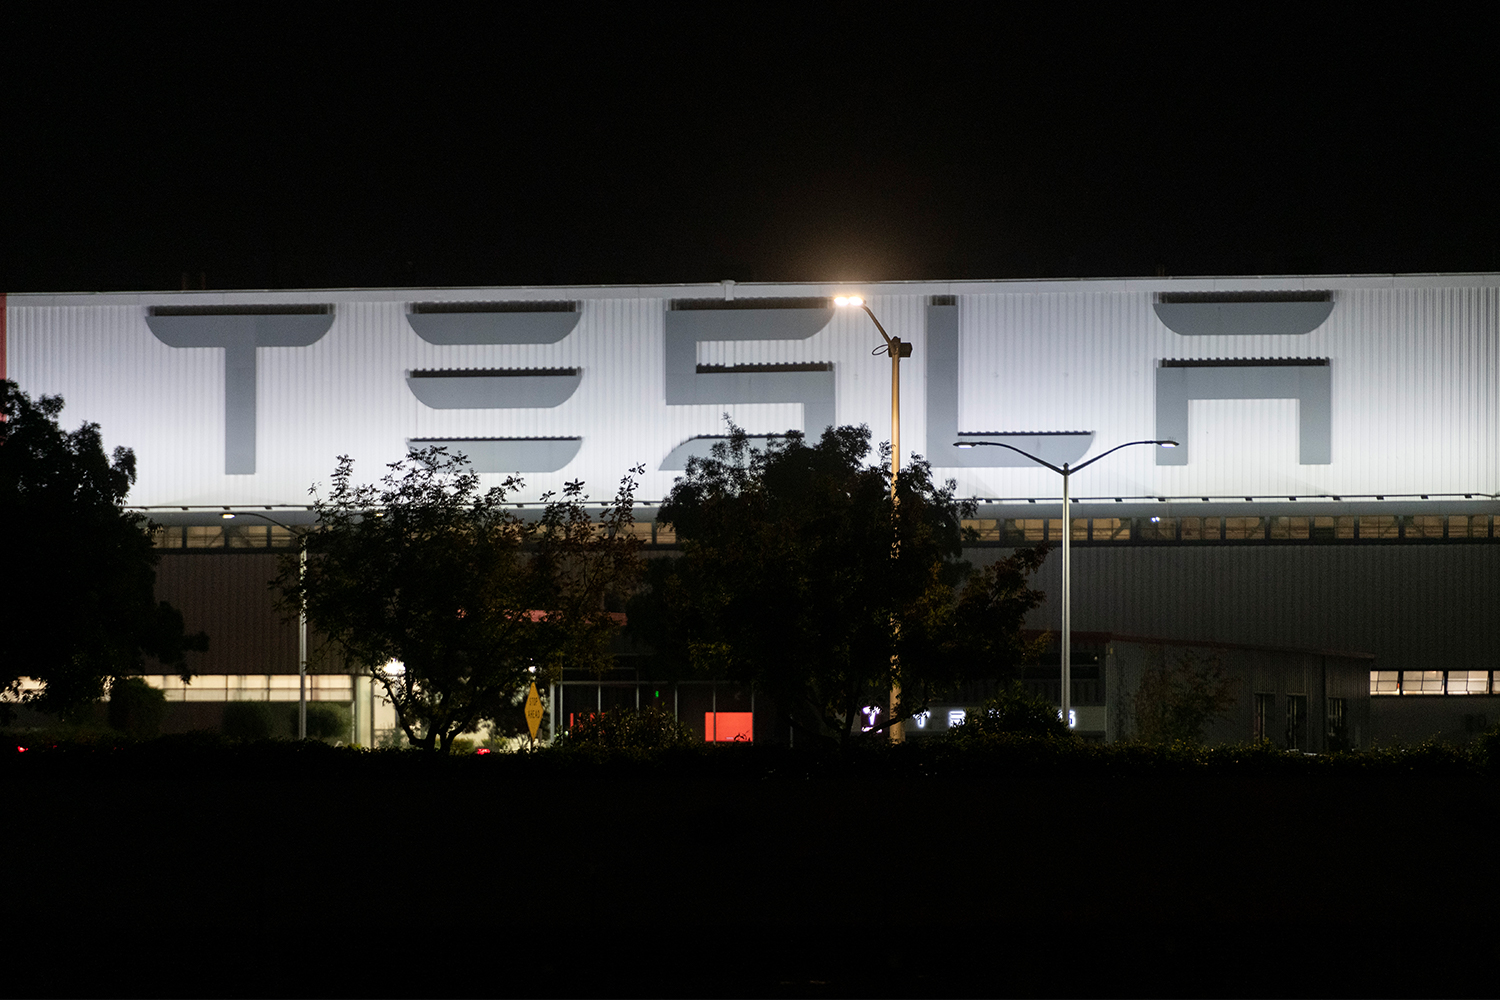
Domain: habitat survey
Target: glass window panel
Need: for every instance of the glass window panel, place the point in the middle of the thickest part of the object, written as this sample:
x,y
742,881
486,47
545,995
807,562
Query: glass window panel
x,y
1192,529
1345,528
1289,527
1080,529
986,528
280,537
1378,526
1323,529
1468,682
245,536
1024,529
1162,529
666,534
1424,526
1242,528
1111,529
1385,682
1421,682
202,536
1054,528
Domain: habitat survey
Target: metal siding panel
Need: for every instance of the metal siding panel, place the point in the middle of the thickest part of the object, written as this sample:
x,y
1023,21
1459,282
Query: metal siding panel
x,y
1413,366
227,596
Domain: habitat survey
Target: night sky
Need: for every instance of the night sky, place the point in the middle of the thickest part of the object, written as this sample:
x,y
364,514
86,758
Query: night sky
x,y
297,146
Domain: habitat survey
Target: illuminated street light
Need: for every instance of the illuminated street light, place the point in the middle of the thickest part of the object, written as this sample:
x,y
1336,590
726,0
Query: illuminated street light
x,y
1067,537
896,349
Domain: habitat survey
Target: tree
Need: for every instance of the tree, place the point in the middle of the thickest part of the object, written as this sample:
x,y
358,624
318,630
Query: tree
x,y
448,598
787,582
80,610
1178,699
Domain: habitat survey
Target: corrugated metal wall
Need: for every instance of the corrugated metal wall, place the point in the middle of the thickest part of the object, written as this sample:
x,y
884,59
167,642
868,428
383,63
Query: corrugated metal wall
x,y
1415,367
228,596
1414,606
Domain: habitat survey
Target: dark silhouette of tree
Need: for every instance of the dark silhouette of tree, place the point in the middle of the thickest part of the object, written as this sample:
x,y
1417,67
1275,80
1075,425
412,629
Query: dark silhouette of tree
x,y
1178,698
787,582
80,609
448,598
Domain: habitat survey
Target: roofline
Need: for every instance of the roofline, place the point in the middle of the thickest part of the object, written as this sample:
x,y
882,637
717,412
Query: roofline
x,y
754,289
1103,638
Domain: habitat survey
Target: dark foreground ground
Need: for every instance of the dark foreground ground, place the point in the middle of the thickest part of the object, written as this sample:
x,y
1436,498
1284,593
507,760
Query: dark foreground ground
x,y
163,884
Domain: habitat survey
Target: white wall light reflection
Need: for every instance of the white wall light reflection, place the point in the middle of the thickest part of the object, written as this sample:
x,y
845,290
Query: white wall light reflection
x,y
956,717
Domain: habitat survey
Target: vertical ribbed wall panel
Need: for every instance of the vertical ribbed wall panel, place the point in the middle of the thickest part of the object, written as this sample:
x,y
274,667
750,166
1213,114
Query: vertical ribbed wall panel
x,y
1415,370
1429,607
227,596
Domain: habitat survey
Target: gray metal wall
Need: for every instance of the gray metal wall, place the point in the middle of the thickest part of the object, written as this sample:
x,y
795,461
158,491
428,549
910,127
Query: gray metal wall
x,y
1414,606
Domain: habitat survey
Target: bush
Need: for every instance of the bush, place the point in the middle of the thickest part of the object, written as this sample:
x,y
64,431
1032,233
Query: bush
x,y
1016,712
136,707
647,728
247,720
325,721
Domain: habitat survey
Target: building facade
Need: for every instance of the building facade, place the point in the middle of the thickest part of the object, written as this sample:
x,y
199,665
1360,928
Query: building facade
x,y
1335,488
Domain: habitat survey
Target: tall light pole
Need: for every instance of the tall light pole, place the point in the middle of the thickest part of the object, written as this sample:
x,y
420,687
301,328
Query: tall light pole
x,y
301,624
897,349
1067,537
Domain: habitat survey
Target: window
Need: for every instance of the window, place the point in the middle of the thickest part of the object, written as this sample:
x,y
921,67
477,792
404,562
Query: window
x,y
1337,734
986,529
1385,682
1468,682
1200,529
201,536
1378,526
1242,528
1424,526
1161,529
1111,529
1296,722
1421,682
1265,713
1080,529
1025,529
1290,527
1469,526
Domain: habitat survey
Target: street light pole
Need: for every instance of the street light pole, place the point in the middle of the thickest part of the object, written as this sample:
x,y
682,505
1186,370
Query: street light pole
x,y
897,349
1067,547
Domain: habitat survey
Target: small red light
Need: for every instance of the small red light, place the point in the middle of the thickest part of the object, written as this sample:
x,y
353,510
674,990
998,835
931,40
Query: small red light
x,y
21,749
483,750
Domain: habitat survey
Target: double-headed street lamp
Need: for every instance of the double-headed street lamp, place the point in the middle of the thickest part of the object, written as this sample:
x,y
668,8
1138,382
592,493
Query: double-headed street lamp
x,y
897,349
1067,536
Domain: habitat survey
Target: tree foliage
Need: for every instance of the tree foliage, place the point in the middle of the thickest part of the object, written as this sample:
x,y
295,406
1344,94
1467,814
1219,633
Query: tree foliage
x,y
447,597
1015,711
787,581
80,609
1178,698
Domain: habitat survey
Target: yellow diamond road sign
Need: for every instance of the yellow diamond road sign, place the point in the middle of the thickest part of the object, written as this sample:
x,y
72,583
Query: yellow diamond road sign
x,y
533,710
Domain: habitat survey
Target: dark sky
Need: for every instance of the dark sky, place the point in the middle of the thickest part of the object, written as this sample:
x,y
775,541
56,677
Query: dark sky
x,y
315,146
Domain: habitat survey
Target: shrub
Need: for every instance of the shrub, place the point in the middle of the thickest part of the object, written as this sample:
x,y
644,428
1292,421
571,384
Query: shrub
x,y
325,721
647,728
247,720
136,707
1014,711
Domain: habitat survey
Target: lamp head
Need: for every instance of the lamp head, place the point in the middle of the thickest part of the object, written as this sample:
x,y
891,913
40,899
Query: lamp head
x,y
1167,444
848,300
